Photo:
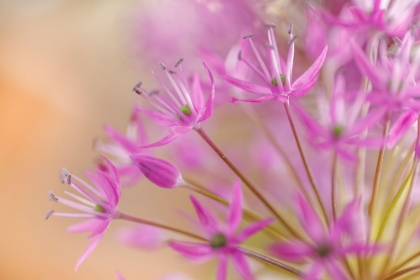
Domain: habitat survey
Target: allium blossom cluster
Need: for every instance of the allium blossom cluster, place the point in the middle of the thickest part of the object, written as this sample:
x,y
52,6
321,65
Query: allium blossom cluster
x,y
321,181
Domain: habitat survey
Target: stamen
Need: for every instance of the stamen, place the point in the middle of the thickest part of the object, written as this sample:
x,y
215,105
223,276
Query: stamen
x,y
153,92
136,88
270,25
65,176
53,198
397,41
290,29
293,40
271,47
179,62
162,66
49,213
172,72
248,36
240,55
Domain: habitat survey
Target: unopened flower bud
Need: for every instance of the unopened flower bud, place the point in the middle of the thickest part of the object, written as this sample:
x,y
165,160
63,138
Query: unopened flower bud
x,y
159,172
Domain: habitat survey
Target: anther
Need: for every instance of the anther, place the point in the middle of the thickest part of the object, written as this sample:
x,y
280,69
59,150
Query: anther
x,y
162,66
49,213
136,88
248,36
240,55
65,176
290,29
270,46
179,62
270,25
153,92
172,72
53,198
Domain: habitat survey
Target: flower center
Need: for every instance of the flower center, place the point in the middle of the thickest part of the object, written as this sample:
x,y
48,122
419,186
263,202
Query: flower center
x,y
338,130
218,241
323,250
274,80
186,110
98,208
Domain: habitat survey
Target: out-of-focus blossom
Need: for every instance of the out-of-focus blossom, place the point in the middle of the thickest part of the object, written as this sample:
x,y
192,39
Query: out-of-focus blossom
x,y
98,202
223,239
122,146
140,236
183,108
278,75
328,246
341,126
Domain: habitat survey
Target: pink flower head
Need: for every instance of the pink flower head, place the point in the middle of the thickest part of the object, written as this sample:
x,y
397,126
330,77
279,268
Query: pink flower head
x,y
158,171
393,77
123,146
223,239
278,75
327,247
98,203
182,107
341,126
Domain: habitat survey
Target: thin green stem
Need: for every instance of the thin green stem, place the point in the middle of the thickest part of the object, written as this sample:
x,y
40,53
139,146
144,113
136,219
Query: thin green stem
x,y
271,261
334,185
402,272
137,220
379,163
304,159
245,180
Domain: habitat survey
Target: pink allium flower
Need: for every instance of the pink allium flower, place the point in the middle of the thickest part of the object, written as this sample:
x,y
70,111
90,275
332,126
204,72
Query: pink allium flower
x,y
158,171
278,75
341,126
327,247
98,203
393,78
122,147
140,236
391,17
186,107
223,239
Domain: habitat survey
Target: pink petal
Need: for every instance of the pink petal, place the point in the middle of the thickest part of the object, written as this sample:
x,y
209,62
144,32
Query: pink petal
x,y
206,218
191,250
89,250
247,86
176,131
197,93
241,265
222,268
208,109
253,100
252,229
160,172
157,117
142,237
100,229
235,209
294,252
111,170
310,220
404,122
335,271
84,226
365,66
314,272
120,139
371,119
310,75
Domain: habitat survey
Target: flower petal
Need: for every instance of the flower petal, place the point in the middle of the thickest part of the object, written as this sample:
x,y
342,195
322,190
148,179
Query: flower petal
x,y
252,229
365,66
235,209
247,86
222,268
294,252
89,251
175,132
208,108
310,75
157,117
241,265
310,220
191,250
84,226
207,220
197,95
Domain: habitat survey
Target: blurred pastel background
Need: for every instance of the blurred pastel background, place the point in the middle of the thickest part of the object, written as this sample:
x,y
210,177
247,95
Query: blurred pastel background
x,y
66,68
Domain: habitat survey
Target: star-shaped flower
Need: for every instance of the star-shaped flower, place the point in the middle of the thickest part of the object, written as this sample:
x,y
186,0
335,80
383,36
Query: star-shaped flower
x,y
223,241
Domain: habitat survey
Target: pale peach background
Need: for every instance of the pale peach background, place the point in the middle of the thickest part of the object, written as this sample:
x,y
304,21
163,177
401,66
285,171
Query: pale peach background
x,y
66,68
